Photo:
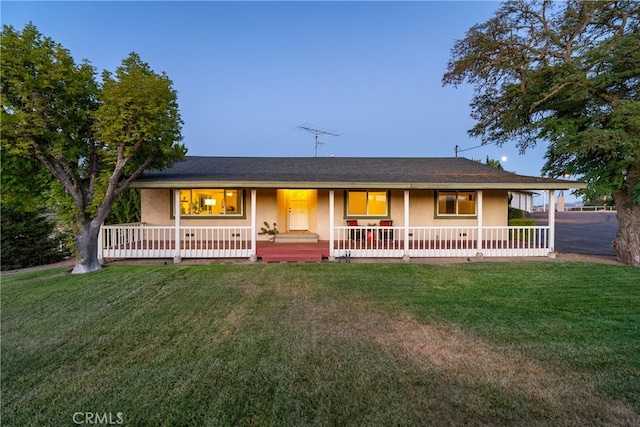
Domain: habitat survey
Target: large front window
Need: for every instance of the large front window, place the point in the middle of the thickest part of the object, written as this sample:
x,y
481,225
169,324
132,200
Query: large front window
x,y
211,202
367,203
456,203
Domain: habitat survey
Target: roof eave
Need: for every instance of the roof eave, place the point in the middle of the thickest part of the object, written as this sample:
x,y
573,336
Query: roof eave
x,y
377,185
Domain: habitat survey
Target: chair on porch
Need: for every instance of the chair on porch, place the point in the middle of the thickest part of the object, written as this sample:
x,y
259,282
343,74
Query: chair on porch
x,y
354,234
386,234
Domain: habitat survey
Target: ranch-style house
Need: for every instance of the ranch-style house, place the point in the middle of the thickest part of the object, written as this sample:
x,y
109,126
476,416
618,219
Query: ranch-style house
x,y
333,208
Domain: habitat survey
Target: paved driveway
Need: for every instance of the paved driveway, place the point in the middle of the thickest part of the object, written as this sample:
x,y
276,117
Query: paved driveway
x,y
583,232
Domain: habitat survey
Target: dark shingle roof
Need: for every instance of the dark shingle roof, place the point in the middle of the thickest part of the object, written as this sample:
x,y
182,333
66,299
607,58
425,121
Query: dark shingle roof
x,y
342,172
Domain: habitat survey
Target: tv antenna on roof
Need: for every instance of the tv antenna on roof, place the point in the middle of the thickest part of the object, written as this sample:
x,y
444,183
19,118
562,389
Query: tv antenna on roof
x,y
315,131
457,148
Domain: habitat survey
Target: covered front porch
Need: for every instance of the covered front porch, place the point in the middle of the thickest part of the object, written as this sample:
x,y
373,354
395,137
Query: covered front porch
x,y
179,241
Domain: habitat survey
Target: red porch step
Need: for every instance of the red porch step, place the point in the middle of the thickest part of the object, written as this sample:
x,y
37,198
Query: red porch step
x,y
292,257
292,253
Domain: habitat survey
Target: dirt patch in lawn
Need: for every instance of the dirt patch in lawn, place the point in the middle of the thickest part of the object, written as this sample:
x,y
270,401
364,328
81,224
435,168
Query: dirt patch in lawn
x,y
470,359
451,352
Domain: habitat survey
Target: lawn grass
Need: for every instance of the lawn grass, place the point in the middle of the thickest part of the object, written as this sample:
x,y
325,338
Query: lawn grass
x,y
524,343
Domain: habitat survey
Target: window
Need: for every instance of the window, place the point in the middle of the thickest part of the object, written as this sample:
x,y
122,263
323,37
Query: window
x,y
367,203
456,203
211,202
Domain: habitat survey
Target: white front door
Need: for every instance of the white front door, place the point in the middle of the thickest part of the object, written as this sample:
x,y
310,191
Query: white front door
x,y
298,210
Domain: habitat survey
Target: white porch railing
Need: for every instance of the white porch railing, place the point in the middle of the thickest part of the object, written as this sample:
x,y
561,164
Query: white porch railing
x,y
442,242
147,241
516,241
368,242
424,242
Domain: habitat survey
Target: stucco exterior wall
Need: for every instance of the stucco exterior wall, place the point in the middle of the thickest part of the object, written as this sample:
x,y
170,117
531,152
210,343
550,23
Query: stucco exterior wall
x,y
155,206
272,206
495,207
322,211
421,208
339,209
314,218
267,209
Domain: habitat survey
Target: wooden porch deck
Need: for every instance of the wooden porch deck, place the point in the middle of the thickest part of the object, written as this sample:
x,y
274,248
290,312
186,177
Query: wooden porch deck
x,y
295,252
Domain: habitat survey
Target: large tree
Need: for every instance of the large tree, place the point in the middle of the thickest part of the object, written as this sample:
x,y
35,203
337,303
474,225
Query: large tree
x,y
94,138
566,74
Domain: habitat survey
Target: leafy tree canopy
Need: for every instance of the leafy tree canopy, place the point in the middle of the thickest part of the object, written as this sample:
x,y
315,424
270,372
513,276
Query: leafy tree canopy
x,y
94,139
567,73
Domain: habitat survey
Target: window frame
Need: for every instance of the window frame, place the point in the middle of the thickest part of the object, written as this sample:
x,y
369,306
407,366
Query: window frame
x,y
387,215
455,215
224,215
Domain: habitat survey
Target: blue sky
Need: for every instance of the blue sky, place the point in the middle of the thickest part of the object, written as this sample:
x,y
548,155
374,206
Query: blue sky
x,y
248,73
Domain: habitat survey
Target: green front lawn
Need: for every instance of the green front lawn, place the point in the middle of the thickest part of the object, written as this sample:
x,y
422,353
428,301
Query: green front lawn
x,y
324,344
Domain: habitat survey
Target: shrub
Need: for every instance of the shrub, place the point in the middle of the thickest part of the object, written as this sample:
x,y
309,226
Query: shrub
x,y
522,222
515,213
126,208
29,239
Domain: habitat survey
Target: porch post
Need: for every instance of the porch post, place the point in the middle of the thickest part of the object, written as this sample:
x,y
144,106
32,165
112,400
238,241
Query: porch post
x,y
406,256
331,224
552,223
176,214
479,245
253,257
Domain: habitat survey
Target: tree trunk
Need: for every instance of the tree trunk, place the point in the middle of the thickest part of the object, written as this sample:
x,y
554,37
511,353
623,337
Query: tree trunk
x,y
627,242
86,240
